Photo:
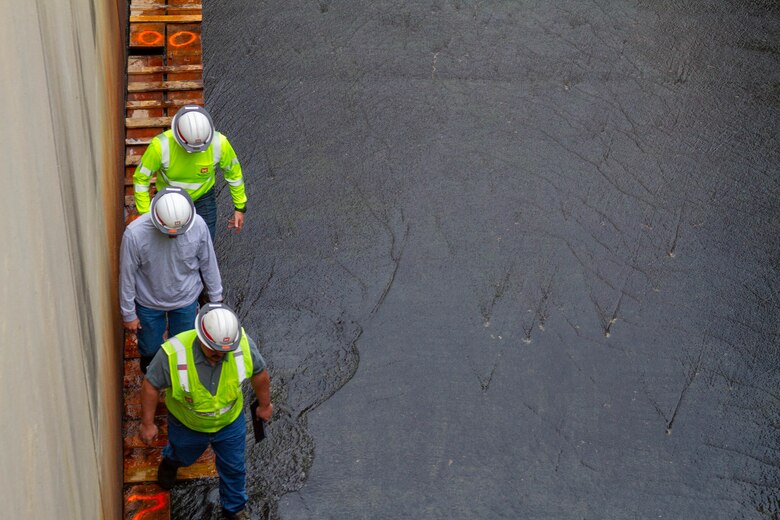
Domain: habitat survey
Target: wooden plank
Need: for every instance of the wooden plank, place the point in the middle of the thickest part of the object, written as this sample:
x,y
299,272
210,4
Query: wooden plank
x,y
131,346
141,133
151,122
130,141
186,59
133,68
166,18
132,403
134,4
195,95
138,5
146,78
145,113
182,4
168,103
150,86
141,465
168,75
183,39
135,62
132,160
184,76
147,35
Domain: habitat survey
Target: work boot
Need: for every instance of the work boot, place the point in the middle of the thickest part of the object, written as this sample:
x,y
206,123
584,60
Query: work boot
x,y
166,473
241,515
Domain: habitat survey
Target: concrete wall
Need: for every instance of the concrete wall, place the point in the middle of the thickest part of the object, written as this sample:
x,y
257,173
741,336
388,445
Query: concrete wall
x,y
61,132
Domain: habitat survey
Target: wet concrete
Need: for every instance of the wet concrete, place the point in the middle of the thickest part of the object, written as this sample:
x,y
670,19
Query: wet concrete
x,y
506,259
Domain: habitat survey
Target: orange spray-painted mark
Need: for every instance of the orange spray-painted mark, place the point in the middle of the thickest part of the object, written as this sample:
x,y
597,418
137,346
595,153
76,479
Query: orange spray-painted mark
x,y
150,38
182,39
160,501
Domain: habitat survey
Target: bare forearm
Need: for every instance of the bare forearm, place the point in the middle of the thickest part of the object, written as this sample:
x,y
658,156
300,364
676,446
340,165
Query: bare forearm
x,y
262,386
149,398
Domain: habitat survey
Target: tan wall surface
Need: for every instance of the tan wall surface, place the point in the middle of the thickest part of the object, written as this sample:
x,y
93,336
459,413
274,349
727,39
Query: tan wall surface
x,y
61,93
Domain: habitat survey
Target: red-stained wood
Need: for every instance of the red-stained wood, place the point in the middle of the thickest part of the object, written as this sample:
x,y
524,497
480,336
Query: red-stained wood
x,y
165,74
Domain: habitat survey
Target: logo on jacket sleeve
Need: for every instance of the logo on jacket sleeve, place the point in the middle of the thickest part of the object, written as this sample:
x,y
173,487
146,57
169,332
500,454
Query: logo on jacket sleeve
x,y
204,170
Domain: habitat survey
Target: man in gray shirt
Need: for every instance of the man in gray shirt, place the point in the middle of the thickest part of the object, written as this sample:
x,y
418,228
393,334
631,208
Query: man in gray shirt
x,y
165,258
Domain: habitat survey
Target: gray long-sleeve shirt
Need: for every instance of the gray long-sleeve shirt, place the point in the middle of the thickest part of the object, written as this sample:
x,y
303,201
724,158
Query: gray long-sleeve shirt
x,y
164,273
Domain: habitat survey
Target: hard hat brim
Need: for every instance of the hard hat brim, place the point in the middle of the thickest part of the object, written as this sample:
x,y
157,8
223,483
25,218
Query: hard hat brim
x,y
216,347
161,227
184,144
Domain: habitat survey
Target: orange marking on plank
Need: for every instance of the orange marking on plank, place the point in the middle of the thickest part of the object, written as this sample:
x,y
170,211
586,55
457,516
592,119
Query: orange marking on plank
x,y
160,501
151,38
174,39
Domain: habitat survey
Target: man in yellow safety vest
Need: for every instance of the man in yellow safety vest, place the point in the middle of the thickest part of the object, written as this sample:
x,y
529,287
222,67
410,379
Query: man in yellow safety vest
x,y
201,371
187,156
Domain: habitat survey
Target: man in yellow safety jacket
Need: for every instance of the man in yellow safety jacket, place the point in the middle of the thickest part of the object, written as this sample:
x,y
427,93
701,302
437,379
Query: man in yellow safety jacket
x,y
201,371
187,156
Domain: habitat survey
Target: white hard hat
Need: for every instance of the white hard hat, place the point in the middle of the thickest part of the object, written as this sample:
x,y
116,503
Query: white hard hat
x,y
172,211
192,128
218,327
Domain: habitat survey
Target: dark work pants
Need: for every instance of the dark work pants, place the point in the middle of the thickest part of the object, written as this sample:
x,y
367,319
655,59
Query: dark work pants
x,y
229,445
206,207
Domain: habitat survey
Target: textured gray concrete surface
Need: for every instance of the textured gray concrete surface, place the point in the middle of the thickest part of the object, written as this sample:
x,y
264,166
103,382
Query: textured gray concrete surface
x,y
61,137
509,259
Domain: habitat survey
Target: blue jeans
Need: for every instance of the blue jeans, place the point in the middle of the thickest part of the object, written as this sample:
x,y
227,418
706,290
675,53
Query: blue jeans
x,y
153,323
229,445
206,207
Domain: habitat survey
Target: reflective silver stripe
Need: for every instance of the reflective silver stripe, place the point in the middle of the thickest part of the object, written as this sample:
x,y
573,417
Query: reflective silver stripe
x,y
216,148
141,188
181,361
186,185
222,411
238,182
234,161
165,151
240,367
146,172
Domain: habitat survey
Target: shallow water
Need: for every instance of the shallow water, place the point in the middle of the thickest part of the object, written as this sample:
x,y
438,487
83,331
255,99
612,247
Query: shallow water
x,y
506,259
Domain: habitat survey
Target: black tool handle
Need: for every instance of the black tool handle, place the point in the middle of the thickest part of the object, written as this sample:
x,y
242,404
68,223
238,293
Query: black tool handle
x,y
257,423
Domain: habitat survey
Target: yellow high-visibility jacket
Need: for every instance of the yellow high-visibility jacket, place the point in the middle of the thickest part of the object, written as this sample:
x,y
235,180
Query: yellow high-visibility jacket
x,y
194,172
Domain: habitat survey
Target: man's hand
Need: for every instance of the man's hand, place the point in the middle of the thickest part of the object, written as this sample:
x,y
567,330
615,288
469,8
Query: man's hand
x,y
265,412
148,433
149,398
237,221
133,326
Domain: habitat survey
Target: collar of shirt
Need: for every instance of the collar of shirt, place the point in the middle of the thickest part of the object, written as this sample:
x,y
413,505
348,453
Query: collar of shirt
x,y
200,358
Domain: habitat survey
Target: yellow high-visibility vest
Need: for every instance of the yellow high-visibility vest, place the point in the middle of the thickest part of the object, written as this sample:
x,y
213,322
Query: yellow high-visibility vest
x,y
191,402
195,172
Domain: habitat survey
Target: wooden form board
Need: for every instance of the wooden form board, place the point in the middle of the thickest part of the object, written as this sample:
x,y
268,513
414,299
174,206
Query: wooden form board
x,y
164,72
